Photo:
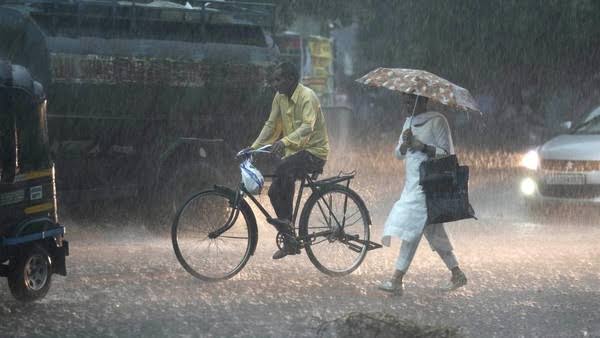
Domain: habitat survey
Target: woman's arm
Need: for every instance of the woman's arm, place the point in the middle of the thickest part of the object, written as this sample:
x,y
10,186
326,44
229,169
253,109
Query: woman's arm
x,y
402,146
400,151
441,144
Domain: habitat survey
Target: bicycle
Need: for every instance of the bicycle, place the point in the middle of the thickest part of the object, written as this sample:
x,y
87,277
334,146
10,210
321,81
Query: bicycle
x,y
214,232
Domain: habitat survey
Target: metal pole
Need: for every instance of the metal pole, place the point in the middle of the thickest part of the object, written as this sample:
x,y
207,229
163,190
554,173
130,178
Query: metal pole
x,y
413,112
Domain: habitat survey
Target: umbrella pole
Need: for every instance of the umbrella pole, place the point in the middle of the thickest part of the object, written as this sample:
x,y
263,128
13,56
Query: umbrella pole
x,y
413,112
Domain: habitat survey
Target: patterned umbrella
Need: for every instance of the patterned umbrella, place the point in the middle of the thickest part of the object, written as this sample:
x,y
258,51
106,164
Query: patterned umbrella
x,y
422,83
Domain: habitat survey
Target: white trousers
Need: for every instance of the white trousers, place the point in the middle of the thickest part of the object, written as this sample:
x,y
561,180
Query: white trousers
x,y
438,240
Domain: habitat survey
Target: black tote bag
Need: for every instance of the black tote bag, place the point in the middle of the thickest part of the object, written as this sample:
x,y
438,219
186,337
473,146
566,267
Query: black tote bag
x,y
446,187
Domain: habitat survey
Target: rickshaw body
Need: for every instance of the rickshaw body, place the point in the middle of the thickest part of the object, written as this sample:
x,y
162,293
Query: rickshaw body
x,y
32,245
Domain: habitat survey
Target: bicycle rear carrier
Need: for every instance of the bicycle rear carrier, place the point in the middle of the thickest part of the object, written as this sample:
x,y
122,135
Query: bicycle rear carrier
x,y
341,177
357,248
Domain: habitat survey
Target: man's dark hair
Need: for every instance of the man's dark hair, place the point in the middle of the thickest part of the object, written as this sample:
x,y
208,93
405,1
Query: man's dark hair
x,y
289,70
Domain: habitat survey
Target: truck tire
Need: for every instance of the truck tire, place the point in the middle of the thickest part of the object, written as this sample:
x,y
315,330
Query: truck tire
x,y
30,276
174,189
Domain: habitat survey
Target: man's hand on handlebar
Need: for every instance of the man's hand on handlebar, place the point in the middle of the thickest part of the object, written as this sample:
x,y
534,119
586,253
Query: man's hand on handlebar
x,y
244,151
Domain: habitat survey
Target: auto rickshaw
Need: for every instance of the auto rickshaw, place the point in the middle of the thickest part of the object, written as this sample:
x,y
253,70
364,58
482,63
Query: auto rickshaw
x,y
32,245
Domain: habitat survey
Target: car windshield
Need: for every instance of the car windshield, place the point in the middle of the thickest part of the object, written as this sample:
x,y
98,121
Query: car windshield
x,y
591,126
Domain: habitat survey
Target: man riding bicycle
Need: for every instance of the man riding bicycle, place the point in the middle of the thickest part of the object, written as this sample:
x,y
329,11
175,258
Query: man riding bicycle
x,y
296,128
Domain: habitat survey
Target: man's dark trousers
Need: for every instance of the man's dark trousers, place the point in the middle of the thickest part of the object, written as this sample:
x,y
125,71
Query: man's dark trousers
x,y
291,168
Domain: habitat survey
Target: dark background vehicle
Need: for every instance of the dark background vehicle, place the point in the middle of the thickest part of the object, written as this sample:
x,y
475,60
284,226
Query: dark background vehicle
x,y
147,99
32,247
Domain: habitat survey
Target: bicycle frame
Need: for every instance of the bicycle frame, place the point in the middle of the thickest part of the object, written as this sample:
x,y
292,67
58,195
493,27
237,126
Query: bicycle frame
x,y
328,215
307,181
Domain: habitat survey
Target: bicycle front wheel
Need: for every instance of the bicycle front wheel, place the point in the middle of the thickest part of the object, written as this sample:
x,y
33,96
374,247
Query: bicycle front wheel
x,y
211,238
335,229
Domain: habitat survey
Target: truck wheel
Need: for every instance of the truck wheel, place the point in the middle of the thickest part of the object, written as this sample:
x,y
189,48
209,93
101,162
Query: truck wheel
x,y
30,277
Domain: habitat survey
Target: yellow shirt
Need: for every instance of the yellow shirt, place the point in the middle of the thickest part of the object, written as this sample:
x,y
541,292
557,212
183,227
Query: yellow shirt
x,y
300,120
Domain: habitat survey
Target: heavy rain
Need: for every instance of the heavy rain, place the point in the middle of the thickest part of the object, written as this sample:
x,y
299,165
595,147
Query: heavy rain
x,y
147,150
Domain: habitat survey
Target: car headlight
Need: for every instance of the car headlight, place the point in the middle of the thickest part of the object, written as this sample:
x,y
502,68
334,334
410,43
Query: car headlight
x,y
531,160
528,186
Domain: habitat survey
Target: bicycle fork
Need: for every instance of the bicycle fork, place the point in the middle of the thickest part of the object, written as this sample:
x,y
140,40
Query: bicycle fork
x,y
235,212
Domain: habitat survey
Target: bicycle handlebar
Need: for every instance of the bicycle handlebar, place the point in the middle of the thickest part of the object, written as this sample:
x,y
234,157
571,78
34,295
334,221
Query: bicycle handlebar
x,y
245,153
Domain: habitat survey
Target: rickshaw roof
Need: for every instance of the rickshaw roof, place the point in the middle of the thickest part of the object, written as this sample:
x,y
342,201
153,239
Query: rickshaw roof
x,y
18,77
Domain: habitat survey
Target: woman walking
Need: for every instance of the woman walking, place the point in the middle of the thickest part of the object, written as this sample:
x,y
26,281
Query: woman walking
x,y
425,134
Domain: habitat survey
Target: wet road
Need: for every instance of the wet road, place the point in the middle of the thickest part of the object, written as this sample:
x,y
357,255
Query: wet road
x,y
526,278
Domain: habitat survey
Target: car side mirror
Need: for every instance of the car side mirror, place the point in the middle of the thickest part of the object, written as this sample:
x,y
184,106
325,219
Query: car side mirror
x,y
566,125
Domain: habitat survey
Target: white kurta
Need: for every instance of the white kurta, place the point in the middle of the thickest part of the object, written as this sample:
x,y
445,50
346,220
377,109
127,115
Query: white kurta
x,y
408,216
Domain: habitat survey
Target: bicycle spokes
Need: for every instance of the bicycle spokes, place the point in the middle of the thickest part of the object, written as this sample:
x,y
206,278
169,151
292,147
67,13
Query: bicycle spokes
x,y
335,223
212,241
330,221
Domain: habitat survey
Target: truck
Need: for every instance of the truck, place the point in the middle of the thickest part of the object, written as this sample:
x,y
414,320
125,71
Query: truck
x,y
147,100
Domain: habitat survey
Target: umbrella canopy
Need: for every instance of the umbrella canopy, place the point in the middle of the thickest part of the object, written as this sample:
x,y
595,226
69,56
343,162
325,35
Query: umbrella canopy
x,y
422,83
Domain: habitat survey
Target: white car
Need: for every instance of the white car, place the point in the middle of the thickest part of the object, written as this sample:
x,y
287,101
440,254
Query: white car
x,y
567,167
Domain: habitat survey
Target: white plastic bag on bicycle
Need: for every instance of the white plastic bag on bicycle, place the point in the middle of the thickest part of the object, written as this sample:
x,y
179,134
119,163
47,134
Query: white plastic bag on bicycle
x,y
252,179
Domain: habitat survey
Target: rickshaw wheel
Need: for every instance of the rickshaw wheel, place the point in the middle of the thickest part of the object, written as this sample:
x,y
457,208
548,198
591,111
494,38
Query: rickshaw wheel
x,y
30,276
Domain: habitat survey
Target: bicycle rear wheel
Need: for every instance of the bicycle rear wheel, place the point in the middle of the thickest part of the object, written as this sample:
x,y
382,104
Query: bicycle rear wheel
x,y
203,254
335,228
